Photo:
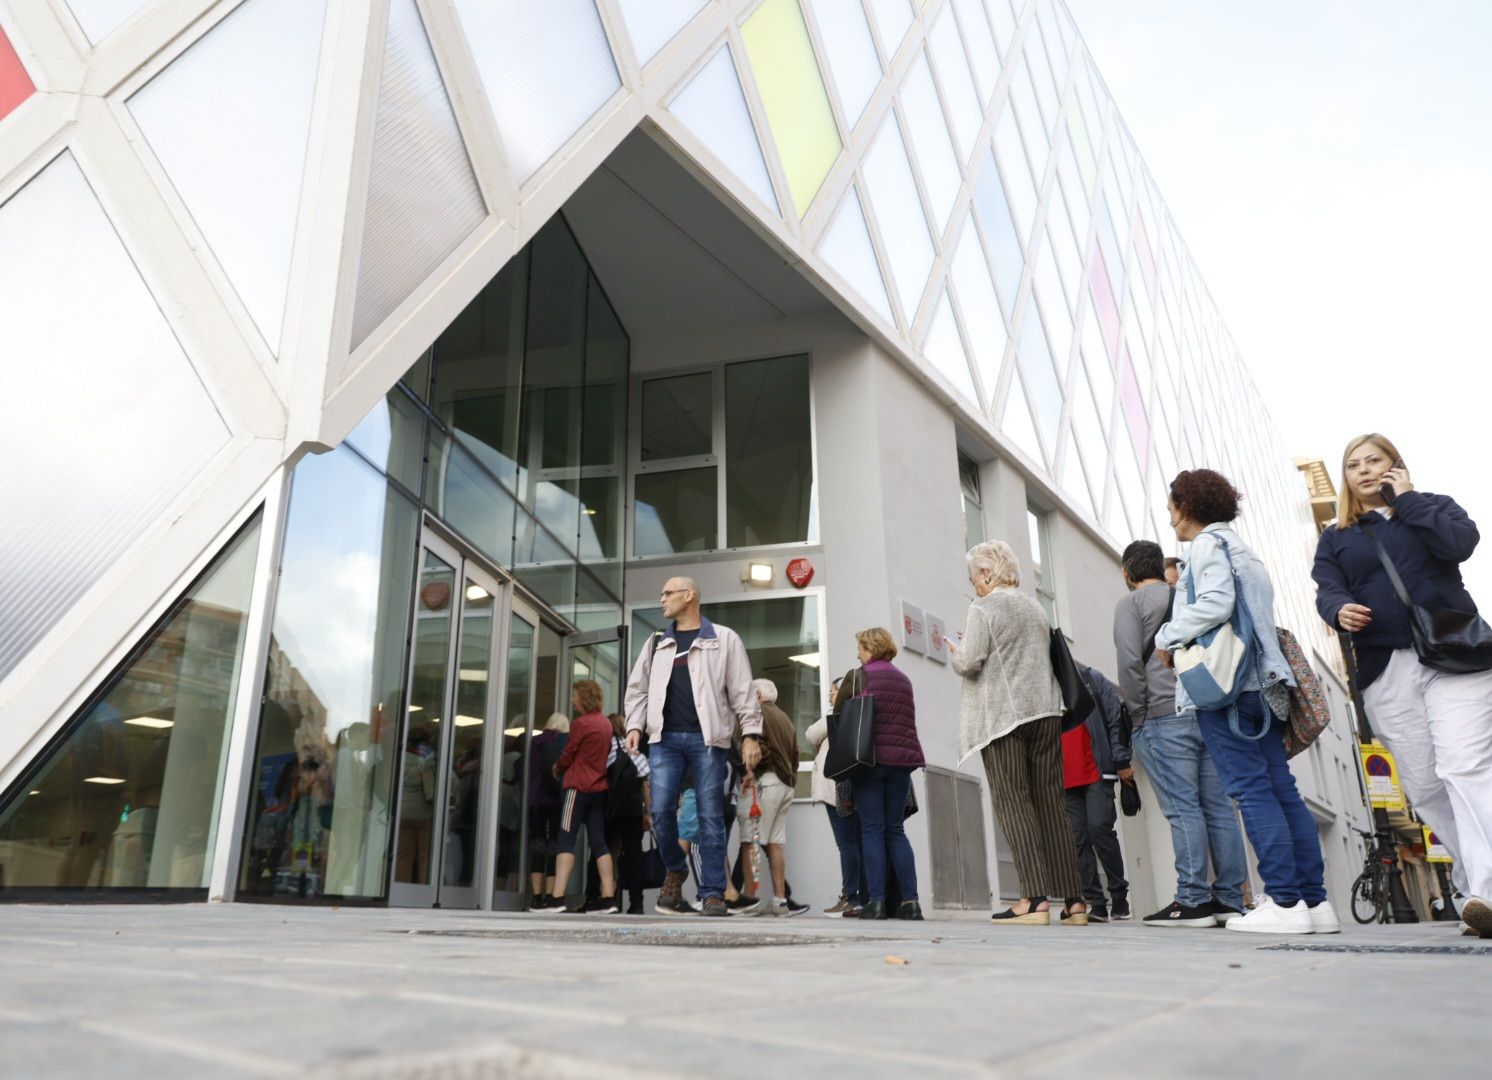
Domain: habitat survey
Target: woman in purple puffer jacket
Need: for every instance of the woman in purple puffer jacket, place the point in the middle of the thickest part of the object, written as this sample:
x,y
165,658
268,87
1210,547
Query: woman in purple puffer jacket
x,y
881,792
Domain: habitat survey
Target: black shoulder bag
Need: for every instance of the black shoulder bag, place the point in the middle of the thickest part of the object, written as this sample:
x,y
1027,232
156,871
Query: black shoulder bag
x,y
852,734
1077,697
1456,642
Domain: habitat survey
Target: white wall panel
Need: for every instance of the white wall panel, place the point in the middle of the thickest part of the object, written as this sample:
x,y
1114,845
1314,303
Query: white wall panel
x,y
105,420
847,248
100,18
713,107
851,53
941,175
229,120
946,351
898,213
423,198
652,24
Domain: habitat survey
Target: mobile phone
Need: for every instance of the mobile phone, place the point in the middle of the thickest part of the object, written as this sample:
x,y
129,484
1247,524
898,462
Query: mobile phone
x,y
1386,490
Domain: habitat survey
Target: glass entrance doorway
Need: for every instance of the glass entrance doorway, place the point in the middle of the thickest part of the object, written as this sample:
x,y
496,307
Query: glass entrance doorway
x,y
443,792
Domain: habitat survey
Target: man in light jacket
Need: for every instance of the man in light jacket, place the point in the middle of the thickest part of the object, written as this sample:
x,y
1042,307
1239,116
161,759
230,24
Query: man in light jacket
x,y
691,691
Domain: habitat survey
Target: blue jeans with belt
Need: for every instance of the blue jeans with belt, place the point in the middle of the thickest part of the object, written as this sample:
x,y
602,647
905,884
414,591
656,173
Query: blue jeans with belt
x,y
881,803
669,757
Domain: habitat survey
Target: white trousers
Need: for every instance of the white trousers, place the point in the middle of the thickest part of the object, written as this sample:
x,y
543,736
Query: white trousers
x,y
1439,729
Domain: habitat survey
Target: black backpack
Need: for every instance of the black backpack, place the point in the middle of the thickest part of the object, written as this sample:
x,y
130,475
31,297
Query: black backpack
x,y
624,790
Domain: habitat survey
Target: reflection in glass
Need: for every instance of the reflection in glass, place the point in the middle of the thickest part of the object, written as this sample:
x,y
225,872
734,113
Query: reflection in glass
x,y
334,690
678,416
469,498
127,799
768,452
675,511
429,723
468,732
392,438
517,721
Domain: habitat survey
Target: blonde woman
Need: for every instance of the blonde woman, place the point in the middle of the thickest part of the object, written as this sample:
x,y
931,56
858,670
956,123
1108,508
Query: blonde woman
x,y
1011,714
1438,725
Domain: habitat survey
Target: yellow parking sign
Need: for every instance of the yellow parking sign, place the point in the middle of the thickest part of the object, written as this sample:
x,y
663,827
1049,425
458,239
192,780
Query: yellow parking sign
x,y
1435,851
1382,776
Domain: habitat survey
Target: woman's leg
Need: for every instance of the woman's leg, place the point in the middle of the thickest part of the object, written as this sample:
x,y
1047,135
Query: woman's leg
x,y
898,847
1460,712
1006,768
869,787
1305,839
1059,856
846,839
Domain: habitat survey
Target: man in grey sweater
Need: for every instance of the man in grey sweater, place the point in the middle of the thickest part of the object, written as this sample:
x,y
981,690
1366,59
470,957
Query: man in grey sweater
x,y
1170,748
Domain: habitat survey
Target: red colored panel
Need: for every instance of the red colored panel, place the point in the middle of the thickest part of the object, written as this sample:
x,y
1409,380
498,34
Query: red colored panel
x,y
15,84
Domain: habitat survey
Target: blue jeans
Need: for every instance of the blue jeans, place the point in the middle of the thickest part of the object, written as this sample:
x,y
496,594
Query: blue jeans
x,y
847,839
1190,792
880,802
1278,823
669,757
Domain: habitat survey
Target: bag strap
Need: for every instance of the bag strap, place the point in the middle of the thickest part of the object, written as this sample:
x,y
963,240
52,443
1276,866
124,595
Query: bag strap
x,y
1388,564
1149,649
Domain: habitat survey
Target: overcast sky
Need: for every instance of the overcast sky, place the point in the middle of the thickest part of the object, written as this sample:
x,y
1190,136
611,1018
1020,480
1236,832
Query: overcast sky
x,y
1329,164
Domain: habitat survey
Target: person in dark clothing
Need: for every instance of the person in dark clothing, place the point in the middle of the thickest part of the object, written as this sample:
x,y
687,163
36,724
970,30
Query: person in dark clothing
x,y
626,824
1094,754
1437,725
881,792
583,767
545,795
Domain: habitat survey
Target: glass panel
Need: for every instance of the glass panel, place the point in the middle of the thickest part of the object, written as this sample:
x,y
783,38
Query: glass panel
x,y
946,351
100,18
941,174
392,437
546,69
782,643
1041,377
846,247
208,114
1004,22
1103,302
469,499
768,452
652,24
429,724
518,719
957,82
981,44
1132,400
105,420
334,693
468,734
678,417
893,19
603,441
979,307
998,226
898,211
1017,425
793,95
596,607
714,108
1019,189
544,566
15,85
423,198
968,477
851,53
674,511
479,371
129,797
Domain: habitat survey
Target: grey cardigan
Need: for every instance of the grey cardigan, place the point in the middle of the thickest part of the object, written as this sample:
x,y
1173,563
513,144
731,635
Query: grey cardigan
x,y
1005,659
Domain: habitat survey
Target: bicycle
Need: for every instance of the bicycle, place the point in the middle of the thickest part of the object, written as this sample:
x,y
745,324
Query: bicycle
x,y
1371,892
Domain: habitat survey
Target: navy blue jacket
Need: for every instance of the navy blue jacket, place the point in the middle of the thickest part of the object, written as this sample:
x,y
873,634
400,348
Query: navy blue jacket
x,y
1106,733
1428,538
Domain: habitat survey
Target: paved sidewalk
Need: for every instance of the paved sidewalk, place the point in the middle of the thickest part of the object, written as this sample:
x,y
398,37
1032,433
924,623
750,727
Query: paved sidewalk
x,y
252,990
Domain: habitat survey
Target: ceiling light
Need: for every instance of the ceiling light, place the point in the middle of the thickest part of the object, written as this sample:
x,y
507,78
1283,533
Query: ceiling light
x,y
102,780
151,722
36,793
417,708
808,659
476,592
588,511
468,721
757,573
473,674
513,731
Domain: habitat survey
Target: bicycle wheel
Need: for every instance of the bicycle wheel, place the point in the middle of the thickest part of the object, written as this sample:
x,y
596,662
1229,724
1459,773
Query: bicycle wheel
x,y
1365,899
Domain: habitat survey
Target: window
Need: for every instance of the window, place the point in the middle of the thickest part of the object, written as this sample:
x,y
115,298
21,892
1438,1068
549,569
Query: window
x,y
1041,559
968,483
725,453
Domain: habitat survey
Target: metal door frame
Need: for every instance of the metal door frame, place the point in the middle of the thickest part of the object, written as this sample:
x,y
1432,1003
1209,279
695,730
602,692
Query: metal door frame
x,y
529,613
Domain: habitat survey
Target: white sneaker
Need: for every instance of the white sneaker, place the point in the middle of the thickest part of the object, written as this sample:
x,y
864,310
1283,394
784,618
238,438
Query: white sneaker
x,y
1477,914
1324,919
1271,918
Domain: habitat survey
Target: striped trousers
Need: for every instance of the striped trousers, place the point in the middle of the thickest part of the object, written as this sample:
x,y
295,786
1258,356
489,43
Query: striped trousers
x,y
1024,769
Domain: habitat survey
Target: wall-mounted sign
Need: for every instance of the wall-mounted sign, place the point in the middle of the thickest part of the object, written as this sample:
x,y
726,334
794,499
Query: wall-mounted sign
x,y
800,572
913,629
1382,776
937,640
1435,851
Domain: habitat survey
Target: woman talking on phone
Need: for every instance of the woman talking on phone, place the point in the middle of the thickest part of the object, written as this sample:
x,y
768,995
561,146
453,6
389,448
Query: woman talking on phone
x,y
1437,725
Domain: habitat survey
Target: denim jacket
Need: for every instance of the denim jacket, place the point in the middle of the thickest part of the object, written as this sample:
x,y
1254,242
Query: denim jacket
x,y
1216,595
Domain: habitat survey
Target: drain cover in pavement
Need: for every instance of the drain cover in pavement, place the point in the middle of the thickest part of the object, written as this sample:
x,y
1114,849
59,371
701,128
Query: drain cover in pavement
x,y
694,939
1405,950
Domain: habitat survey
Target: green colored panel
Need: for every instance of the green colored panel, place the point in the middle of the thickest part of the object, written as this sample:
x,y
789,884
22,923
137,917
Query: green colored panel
x,y
792,90
1077,129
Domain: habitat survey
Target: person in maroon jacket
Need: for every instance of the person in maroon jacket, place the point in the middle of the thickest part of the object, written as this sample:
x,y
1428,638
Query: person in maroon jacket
x,y
582,768
881,792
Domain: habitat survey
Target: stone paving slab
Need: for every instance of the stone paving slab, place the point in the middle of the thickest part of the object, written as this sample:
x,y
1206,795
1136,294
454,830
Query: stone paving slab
x,y
254,990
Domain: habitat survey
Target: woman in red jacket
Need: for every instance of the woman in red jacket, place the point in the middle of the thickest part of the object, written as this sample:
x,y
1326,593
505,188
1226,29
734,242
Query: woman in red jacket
x,y
582,768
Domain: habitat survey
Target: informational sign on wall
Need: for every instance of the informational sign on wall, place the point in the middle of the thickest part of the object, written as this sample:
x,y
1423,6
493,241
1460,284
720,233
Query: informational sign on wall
x,y
1435,851
937,641
913,629
1382,776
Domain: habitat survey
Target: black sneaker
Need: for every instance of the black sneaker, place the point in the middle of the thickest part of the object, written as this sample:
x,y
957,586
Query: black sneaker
x,y
546,903
795,908
1223,913
744,905
1098,914
1121,912
675,905
604,905
1178,914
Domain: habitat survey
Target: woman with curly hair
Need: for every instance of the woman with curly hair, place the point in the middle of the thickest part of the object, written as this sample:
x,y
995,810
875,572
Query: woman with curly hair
x,y
1249,748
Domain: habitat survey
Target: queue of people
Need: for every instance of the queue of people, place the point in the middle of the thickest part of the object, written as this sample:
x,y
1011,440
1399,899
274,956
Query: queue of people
x,y
723,757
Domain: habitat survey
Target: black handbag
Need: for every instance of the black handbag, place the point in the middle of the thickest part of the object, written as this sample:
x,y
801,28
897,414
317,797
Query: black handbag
x,y
1129,798
1456,642
852,738
651,860
1077,696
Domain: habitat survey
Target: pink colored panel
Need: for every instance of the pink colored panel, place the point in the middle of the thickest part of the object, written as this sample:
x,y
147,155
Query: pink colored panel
x,y
15,84
1103,299
1134,407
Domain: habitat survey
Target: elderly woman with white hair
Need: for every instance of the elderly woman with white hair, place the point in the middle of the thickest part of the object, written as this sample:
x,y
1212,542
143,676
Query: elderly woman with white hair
x,y
1012,714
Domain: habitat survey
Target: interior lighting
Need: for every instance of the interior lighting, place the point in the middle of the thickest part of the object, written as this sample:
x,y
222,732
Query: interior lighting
x,y
468,721
808,659
758,573
588,511
151,722
476,592
417,708
102,780
513,731
35,793
473,674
